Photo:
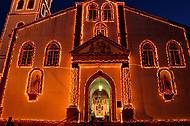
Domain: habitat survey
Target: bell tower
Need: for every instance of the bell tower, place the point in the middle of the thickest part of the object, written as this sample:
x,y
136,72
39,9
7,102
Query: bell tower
x,y
21,12
31,8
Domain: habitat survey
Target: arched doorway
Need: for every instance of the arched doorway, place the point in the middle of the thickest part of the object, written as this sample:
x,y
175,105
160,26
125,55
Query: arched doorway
x,y
100,98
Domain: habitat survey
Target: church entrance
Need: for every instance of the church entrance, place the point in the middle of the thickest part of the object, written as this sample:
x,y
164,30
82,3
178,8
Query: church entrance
x,y
100,100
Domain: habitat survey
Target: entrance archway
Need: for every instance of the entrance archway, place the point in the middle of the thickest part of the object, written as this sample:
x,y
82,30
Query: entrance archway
x,y
100,97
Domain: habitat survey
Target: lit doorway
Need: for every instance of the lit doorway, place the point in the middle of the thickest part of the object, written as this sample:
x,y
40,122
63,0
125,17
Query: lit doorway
x,y
91,89
100,100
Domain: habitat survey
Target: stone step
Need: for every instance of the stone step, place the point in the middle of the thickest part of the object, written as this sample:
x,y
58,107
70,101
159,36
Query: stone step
x,y
128,123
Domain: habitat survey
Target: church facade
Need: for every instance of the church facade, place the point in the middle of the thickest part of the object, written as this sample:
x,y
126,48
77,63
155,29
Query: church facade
x,y
99,59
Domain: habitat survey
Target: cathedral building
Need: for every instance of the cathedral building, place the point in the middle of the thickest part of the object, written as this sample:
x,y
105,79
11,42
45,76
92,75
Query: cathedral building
x,y
97,60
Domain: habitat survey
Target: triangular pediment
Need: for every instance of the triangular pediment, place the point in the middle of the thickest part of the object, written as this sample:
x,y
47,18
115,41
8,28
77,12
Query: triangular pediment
x,y
100,45
100,48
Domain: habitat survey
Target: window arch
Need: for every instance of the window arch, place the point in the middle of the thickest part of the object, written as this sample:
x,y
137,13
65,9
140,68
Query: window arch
x,y
92,12
52,54
107,12
20,4
100,28
34,87
167,87
30,4
148,54
175,54
19,24
26,54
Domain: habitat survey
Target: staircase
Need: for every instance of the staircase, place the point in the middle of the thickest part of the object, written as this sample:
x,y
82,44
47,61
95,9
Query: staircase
x,y
67,122
128,123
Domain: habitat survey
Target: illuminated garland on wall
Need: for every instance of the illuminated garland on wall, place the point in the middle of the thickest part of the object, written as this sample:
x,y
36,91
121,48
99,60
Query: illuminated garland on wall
x,y
74,94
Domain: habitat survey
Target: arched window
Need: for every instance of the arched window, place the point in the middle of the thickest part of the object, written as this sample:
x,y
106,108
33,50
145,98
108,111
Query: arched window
x,y
167,88
107,12
100,28
148,54
175,55
30,4
92,12
19,24
26,54
20,4
34,88
52,54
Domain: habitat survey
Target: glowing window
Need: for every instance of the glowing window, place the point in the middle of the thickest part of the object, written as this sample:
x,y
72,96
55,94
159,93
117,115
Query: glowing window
x,y
167,88
20,4
175,55
52,54
107,12
92,12
34,88
148,54
100,28
26,54
30,4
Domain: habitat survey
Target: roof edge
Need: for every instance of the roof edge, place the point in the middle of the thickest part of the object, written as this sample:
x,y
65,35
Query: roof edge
x,y
167,21
47,17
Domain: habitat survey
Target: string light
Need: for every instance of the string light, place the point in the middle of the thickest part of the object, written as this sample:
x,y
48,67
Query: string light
x,y
180,53
172,84
75,71
155,54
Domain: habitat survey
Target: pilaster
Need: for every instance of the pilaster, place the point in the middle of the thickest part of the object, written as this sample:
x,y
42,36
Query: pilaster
x,y
72,110
128,110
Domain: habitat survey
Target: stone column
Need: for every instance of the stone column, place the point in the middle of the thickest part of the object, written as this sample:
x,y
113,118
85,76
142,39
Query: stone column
x,y
72,111
128,110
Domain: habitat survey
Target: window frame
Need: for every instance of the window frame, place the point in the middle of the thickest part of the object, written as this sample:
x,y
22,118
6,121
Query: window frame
x,y
46,57
101,27
172,58
18,9
111,12
29,3
88,13
150,58
21,22
22,52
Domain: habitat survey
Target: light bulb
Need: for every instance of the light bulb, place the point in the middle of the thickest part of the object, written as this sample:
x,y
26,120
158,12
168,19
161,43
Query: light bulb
x,y
100,87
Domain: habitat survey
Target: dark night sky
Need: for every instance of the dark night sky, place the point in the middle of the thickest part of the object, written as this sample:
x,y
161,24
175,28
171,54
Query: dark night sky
x,y
174,10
